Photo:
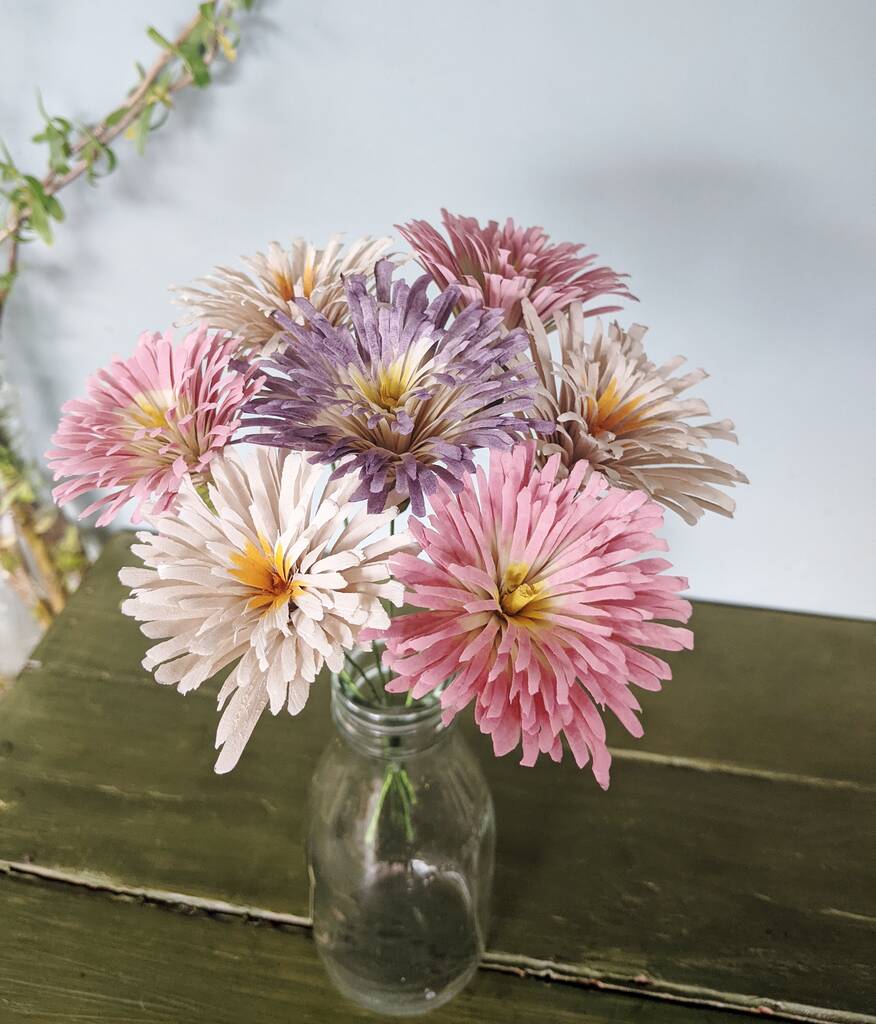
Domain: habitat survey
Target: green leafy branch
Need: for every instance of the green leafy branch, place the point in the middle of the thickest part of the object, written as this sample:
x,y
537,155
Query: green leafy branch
x,y
77,150
41,554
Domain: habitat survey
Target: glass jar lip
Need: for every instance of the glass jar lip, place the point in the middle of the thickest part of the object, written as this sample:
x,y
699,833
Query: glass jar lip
x,y
398,717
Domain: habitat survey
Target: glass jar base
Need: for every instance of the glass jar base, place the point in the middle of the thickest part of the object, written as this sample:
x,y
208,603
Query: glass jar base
x,y
391,1001
407,943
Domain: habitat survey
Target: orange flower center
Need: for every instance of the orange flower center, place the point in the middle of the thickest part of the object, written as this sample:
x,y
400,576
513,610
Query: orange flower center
x,y
268,573
609,413
286,286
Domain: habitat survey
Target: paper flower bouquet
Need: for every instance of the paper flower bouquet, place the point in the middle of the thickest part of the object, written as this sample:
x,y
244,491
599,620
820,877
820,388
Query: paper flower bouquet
x,y
319,396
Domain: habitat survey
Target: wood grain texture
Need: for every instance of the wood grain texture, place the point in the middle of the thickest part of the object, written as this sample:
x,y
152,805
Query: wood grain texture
x,y
69,955
734,880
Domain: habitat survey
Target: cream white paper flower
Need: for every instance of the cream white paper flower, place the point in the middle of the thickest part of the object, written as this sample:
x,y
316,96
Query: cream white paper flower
x,y
615,409
280,579
242,303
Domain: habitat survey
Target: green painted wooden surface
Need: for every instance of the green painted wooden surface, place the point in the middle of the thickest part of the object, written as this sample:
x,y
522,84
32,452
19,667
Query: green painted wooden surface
x,y
69,955
745,868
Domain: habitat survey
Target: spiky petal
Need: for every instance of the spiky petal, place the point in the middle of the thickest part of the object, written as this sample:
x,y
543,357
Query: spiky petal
x,y
243,302
276,574
400,400
536,605
622,415
149,422
502,265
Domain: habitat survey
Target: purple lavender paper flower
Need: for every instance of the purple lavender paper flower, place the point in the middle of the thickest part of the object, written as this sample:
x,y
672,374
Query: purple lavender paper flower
x,y
402,399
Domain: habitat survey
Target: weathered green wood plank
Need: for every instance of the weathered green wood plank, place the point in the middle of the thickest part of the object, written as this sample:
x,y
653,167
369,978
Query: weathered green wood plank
x,y
772,690
764,689
69,955
736,883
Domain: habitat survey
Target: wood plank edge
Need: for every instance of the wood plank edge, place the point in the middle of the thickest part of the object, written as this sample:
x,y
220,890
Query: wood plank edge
x,y
801,613
162,897
699,764
693,996
518,965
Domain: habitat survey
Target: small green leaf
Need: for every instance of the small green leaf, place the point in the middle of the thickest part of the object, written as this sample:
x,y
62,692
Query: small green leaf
x,y
115,116
39,221
59,148
112,161
157,37
36,187
54,208
141,129
191,55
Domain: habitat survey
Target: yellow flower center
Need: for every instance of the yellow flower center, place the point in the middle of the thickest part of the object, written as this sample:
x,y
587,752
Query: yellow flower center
x,y
268,573
608,412
154,436
149,410
389,386
515,593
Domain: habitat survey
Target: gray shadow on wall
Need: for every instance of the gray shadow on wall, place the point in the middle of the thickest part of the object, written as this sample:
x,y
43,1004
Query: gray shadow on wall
x,y
757,231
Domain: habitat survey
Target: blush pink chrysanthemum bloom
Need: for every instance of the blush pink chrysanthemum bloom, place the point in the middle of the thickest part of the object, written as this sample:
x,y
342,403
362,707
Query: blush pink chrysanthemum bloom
x,y
149,422
502,265
536,606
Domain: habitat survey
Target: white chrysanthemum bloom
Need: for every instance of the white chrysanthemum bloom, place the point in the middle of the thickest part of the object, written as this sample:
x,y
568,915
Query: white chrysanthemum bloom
x,y
612,407
280,575
242,303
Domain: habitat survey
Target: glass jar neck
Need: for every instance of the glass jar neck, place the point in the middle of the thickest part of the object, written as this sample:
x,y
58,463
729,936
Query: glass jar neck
x,y
387,731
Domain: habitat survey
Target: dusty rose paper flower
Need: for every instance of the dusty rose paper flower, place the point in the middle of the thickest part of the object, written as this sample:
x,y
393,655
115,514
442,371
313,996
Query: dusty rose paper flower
x,y
501,266
402,398
149,422
280,578
536,607
621,414
242,302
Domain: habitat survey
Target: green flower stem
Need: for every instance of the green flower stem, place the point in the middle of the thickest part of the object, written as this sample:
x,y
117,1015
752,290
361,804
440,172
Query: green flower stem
x,y
397,793
352,663
378,666
371,831
348,682
395,780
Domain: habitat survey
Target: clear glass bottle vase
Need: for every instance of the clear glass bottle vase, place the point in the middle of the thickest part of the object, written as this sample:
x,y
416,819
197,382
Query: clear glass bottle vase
x,y
400,851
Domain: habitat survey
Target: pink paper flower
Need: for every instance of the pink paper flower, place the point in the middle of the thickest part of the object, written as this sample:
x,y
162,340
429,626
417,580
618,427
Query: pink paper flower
x,y
150,421
536,607
500,266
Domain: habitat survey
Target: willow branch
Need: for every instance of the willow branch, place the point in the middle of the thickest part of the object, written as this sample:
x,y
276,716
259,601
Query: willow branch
x,y
104,134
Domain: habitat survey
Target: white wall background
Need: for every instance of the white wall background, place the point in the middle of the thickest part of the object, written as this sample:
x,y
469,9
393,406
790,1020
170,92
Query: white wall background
x,y
721,152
